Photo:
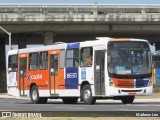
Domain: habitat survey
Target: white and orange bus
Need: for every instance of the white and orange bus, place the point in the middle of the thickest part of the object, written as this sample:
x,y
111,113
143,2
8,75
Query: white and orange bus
x,y
118,69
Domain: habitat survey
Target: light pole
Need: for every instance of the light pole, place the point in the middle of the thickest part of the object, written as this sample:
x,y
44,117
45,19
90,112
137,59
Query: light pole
x,y
9,33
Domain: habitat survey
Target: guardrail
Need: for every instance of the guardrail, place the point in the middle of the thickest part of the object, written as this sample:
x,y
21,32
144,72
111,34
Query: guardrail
x,y
76,5
15,12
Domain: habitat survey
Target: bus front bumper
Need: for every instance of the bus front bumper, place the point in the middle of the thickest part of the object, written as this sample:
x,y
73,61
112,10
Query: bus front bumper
x,y
145,91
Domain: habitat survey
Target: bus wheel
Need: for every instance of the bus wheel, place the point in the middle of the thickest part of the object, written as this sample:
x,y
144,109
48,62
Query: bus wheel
x,y
127,99
70,100
87,95
35,95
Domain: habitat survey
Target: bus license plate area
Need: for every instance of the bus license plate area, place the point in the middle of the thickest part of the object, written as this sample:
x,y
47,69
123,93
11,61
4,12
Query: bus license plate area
x,y
132,93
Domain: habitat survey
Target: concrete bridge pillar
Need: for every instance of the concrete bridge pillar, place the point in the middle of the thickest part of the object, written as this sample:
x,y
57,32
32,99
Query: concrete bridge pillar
x,y
95,10
21,41
3,82
48,38
70,13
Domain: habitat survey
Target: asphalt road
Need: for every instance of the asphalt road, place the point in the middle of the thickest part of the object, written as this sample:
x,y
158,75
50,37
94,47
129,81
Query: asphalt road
x,y
14,104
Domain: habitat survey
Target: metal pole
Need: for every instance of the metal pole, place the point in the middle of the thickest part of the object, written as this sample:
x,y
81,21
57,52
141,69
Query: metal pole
x,y
10,44
9,33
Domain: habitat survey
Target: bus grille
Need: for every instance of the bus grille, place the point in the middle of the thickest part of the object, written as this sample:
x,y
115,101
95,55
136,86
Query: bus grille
x,y
131,90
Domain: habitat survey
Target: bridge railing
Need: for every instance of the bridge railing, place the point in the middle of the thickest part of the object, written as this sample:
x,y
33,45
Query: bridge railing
x,y
79,12
77,5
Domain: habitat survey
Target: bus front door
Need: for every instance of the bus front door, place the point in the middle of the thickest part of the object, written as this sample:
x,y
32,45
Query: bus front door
x,y
99,72
23,76
53,71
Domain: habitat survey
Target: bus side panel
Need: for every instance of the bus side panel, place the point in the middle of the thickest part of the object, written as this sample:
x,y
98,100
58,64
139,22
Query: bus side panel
x,y
59,78
72,80
39,77
12,84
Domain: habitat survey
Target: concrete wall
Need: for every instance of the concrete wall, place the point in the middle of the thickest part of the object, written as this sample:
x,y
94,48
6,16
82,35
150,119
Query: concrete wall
x,y
78,14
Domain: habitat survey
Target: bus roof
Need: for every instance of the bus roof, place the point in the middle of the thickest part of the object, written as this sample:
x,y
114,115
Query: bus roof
x,y
97,41
12,52
120,39
44,48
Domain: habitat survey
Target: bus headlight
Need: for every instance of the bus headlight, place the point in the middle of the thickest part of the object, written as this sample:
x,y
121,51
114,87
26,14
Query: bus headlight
x,y
111,83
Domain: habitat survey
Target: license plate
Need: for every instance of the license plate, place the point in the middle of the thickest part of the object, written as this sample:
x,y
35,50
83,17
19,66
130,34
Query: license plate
x,y
131,93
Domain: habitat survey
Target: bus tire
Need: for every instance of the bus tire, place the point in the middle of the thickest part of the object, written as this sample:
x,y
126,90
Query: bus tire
x,y
70,100
35,95
87,95
127,99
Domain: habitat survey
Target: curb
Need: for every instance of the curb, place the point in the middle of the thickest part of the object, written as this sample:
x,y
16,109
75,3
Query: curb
x,y
154,96
5,95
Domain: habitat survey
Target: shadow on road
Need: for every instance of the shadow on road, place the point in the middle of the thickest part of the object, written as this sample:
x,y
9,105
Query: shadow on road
x,y
97,103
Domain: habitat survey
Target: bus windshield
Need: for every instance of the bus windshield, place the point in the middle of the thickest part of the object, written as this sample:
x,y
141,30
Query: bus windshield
x,y
129,59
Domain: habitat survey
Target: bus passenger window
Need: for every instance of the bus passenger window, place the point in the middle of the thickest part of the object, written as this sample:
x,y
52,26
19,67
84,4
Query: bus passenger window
x,y
54,64
76,62
62,58
33,61
86,57
43,60
13,63
23,66
72,58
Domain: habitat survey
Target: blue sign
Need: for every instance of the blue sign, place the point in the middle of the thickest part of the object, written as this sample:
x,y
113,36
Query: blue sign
x,y
71,78
120,68
73,45
83,74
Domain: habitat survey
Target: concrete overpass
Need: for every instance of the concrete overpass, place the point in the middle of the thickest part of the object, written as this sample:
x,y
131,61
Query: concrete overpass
x,y
80,21
49,23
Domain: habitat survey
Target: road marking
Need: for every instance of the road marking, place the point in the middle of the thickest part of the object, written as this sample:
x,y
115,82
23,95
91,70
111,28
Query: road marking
x,y
147,105
133,110
69,108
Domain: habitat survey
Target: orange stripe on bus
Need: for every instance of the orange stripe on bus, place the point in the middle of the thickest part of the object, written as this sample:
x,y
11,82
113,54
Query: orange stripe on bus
x,y
120,39
123,83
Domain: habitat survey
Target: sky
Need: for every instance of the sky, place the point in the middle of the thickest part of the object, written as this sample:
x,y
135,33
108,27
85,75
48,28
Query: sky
x,y
85,1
